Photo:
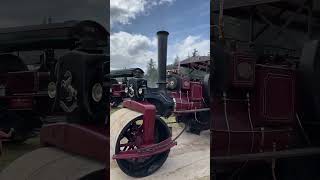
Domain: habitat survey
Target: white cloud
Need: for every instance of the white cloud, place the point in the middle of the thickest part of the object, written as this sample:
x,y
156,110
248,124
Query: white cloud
x,y
187,46
135,50
165,1
131,50
123,11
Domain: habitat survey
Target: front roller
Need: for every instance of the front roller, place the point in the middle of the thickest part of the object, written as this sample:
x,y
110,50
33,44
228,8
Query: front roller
x,y
136,154
53,164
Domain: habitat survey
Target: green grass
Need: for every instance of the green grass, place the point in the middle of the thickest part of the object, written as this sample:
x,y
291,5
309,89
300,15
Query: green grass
x,y
12,150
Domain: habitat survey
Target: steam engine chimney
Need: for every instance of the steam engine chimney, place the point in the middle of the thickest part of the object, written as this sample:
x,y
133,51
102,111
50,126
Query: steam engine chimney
x,y
162,59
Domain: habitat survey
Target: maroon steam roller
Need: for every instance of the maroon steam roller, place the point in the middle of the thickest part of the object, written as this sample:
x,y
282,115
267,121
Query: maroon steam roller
x,y
140,140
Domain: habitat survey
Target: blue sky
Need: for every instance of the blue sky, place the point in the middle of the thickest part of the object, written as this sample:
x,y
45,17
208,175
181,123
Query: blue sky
x,y
134,24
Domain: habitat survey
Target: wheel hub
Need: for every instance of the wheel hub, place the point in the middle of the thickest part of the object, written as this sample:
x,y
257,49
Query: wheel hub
x,y
68,101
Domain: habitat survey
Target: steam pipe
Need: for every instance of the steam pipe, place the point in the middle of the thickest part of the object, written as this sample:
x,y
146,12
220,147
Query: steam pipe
x,y
162,59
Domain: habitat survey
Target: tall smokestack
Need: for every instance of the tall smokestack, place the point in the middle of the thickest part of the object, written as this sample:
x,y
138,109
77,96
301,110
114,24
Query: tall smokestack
x,y
162,59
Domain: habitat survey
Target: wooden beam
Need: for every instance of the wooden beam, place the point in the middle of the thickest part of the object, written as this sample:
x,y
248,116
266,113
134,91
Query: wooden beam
x,y
290,20
263,29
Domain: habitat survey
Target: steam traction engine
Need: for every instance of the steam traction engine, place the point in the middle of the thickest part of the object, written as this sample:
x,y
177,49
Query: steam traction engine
x,y
30,60
140,140
70,86
118,90
191,94
263,101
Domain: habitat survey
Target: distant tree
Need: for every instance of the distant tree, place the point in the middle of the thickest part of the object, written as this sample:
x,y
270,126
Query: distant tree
x,y
195,53
152,74
176,61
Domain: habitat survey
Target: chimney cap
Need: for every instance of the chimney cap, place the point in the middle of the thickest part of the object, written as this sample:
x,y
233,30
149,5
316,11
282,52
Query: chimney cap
x,y
163,32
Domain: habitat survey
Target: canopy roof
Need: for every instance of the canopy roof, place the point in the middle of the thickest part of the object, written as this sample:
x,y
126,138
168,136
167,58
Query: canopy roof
x,y
276,11
55,35
131,72
197,62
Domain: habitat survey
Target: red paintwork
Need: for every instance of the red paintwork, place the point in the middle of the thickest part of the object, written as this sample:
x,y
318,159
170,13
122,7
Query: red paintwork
x,y
241,57
20,103
146,151
26,90
117,94
270,104
118,90
189,97
196,91
149,112
185,83
275,99
89,141
147,148
27,81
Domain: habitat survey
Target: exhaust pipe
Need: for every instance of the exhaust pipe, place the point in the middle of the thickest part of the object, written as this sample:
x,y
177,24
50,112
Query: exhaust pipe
x,y
162,59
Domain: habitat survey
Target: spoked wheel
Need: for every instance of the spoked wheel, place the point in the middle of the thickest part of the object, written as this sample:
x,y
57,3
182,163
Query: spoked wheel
x,y
129,137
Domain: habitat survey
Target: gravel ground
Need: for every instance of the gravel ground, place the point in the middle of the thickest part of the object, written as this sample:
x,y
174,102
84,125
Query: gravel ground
x,y
189,160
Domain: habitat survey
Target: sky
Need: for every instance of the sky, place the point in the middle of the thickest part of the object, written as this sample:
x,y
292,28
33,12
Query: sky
x,y
30,12
134,24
